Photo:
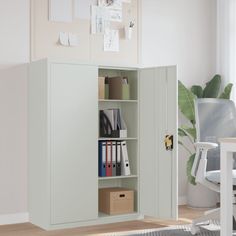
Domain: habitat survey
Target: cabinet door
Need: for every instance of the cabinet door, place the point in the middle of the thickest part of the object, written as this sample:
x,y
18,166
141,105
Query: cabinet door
x,y
158,117
73,111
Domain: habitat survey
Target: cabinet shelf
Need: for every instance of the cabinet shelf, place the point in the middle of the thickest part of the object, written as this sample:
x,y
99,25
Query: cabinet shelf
x,y
103,215
116,100
118,177
110,138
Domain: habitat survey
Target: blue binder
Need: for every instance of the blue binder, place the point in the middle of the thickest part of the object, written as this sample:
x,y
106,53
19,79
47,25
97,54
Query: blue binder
x,y
102,159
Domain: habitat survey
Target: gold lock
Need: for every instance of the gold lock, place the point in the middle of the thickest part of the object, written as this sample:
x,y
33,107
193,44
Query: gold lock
x,y
169,142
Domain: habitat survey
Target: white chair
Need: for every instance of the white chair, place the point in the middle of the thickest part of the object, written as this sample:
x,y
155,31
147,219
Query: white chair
x,y
215,118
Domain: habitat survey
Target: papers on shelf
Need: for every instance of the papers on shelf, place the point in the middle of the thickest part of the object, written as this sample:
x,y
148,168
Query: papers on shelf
x,y
111,40
60,10
99,19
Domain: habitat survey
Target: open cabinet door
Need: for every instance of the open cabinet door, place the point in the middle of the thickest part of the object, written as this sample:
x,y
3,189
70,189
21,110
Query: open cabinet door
x,y
158,118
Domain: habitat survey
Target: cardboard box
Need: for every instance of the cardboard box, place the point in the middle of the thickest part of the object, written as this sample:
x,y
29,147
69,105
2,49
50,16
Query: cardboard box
x,y
113,201
101,87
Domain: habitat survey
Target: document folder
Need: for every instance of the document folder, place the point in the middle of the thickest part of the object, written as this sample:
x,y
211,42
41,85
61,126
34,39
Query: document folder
x,y
118,158
109,159
113,158
102,159
125,166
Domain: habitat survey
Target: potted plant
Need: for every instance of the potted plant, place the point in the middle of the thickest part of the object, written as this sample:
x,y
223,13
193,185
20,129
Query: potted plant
x,y
186,105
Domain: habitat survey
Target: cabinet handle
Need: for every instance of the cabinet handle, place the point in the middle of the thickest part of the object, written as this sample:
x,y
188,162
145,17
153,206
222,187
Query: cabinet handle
x,y
169,142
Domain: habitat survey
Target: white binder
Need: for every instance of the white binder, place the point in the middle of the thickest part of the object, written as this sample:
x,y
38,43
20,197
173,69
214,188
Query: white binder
x,y
125,166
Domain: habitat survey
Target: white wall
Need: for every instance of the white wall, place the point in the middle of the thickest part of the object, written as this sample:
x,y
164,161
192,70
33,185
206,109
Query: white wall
x,y
181,32
14,49
13,140
14,31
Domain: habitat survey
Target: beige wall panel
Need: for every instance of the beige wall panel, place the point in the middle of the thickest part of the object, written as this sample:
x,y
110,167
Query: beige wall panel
x,y
128,53
45,34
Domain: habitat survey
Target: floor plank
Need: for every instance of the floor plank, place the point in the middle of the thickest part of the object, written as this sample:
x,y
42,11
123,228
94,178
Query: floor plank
x,y
185,216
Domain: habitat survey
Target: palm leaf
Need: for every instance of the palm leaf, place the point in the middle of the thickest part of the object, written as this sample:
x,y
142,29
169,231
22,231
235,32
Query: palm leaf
x,y
181,132
212,87
186,102
189,130
227,91
191,179
197,90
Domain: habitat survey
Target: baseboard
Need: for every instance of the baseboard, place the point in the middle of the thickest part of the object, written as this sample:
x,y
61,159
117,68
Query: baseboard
x,y
14,218
182,200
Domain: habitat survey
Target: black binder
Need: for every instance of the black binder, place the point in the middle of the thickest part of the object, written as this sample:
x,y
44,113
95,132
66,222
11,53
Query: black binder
x,y
114,153
118,158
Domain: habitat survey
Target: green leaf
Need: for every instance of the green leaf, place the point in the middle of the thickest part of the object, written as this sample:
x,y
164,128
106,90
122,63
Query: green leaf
x,y
197,90
212,87
191,179
227,92
181,132
189,130
186,102
179,142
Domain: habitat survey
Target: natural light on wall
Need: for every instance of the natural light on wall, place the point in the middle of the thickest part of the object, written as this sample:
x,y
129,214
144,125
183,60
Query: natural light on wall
x,y
226,42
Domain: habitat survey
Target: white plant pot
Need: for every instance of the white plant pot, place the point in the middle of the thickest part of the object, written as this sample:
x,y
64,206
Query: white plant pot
x,y
201,197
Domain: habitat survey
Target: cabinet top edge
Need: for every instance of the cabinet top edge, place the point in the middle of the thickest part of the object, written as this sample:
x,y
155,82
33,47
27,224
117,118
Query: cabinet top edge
x,y
102,65
97,64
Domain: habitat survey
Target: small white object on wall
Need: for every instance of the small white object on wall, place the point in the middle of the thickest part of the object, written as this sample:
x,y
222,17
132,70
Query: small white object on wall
x,y
64,38
68,39
60,10
73,40
129,30
111,40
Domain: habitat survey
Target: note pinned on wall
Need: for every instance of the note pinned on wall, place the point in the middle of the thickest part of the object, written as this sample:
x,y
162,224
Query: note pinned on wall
x,y
99,19
114,7
64,39
68,39
60,10
111,40
73,40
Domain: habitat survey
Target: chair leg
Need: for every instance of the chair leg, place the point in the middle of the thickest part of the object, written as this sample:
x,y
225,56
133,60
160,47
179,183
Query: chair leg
x,y
210,215
204,220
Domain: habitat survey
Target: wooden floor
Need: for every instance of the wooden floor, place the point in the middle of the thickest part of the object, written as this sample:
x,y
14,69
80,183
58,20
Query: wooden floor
x,y
185,216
